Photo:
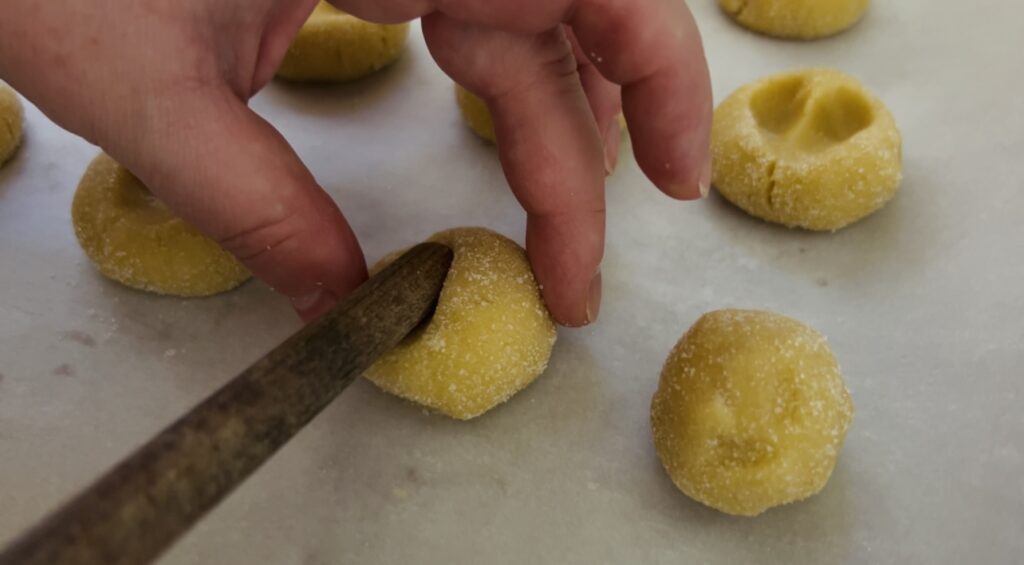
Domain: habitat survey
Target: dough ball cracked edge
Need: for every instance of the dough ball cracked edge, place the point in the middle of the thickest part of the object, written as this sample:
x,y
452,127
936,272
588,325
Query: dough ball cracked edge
x,y
810,149
490,336
796,19
132,238
333,46
751,411
12,117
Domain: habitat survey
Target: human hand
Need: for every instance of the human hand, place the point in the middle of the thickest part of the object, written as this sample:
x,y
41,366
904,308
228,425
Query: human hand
x,y
163,89
555,113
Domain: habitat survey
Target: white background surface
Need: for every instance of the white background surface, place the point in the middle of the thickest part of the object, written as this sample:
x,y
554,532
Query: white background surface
x,y
923,304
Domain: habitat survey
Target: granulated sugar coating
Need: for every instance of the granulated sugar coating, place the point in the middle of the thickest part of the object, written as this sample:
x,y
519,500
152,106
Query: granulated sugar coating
x,y
810,149
475,113
334,46
796,19
135,240
490,336
11,123
751,411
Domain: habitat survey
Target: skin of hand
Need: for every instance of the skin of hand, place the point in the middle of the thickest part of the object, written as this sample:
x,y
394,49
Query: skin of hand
x,y
163,87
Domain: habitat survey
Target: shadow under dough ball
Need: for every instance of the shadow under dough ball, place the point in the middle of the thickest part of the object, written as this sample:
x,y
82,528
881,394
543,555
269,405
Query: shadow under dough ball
x,y
334,46
12,118
796,19
134,239
751,411
810,149
490,336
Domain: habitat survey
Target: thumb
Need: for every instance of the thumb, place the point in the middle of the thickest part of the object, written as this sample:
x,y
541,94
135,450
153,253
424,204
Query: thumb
x,y
234,177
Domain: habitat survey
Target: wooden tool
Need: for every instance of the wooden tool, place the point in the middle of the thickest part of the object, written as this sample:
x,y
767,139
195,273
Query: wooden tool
x,y
143,504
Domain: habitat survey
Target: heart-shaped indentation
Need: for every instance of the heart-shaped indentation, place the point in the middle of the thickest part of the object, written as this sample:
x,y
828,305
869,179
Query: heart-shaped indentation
x,y
800,115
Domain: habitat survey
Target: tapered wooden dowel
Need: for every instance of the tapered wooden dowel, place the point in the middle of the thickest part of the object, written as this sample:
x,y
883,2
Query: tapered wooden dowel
x,y
147,501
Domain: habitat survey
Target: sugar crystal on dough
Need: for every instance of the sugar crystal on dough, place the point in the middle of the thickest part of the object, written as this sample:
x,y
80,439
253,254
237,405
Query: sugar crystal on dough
x,y
751,411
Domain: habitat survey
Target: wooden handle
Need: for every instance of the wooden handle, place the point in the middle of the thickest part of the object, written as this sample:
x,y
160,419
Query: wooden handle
x,y
143,504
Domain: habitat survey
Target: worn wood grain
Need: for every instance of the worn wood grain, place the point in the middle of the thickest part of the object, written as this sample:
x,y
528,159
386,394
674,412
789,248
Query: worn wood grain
x,y
147,501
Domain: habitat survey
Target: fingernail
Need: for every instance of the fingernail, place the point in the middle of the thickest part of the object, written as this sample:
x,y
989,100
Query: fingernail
x,y
612,139
705,178
594,299
315,304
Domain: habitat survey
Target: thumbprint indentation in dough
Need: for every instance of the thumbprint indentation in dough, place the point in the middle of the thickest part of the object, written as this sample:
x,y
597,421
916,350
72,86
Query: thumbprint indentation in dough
x,y
792,114
840,114
779,105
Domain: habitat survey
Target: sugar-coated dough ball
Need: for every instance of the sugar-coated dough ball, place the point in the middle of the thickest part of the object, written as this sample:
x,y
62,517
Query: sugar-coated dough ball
x,y
333,46
135,240
751,411
796,19
810,149
11,123
475,112
490,336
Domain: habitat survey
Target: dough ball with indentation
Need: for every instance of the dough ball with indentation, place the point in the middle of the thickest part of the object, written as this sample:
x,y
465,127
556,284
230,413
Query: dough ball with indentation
x,y
134,239
11,123
334,46
478,117
751,411
796,19
810,149
490,336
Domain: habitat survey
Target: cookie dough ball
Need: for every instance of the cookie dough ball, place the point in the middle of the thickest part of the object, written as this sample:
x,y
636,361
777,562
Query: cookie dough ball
x,y
135,240
11,119
751,411
475,113
478,117
796,19
490,336
334,46
810,149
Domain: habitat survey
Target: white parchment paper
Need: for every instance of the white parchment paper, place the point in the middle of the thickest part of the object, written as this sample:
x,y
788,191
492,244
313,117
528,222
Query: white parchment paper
x,y
923,304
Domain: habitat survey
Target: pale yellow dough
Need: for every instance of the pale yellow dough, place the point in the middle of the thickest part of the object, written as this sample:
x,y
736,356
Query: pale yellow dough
x,y
475,113
478,117
132,238
333,46
810,149
751,411
11,123
796,19
490,336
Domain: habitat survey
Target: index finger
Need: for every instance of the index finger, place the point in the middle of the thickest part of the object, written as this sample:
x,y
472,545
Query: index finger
x,y
650,47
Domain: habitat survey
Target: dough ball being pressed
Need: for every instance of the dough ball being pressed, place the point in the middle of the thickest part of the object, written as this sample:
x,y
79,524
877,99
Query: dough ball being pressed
x,y
333,46
490,336
751,411
132,238
478,116
11,123
796,19
810,149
